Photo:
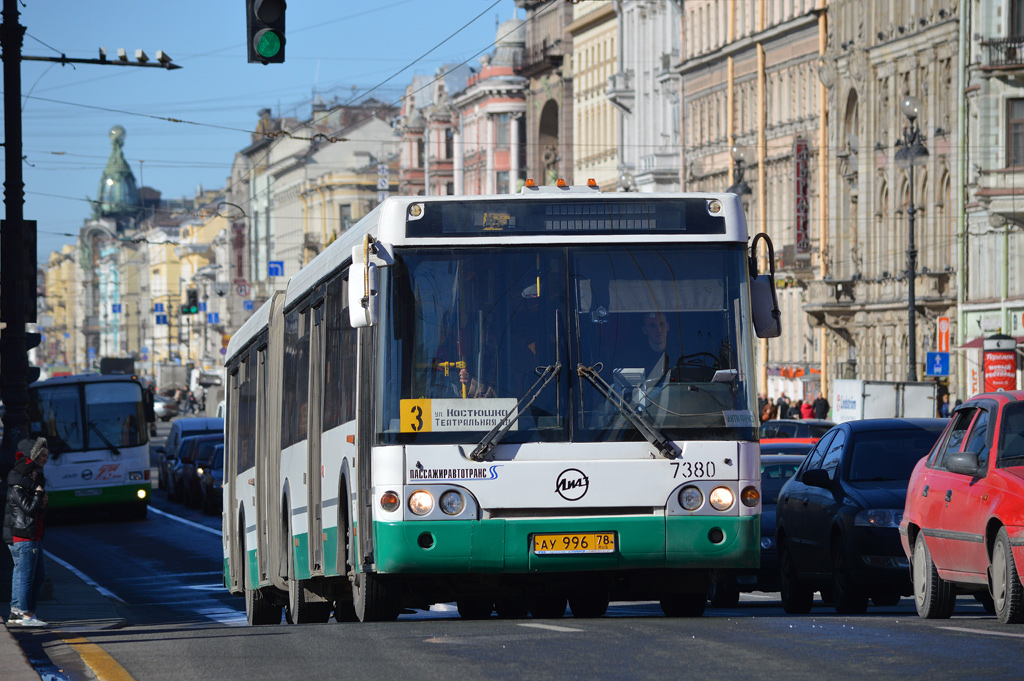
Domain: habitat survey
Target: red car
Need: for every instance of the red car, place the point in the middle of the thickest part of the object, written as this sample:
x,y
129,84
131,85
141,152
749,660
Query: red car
x,y
963,525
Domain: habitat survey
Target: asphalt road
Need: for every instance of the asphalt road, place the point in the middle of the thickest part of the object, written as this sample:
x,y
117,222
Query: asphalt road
x,y
182,624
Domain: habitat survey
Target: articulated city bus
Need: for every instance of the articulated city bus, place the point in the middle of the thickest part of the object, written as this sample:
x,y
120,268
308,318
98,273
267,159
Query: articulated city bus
x,y
510,402
97,429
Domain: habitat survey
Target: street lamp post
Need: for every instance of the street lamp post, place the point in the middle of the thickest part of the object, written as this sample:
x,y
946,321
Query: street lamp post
x,y
739,185
911,153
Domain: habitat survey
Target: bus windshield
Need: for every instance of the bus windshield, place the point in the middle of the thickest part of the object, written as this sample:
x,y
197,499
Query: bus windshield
x,y
89,416
470,334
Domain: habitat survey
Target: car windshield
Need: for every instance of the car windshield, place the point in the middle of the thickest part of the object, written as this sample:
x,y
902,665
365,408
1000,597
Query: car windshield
x,y
205,450
888,455
469,333
773,477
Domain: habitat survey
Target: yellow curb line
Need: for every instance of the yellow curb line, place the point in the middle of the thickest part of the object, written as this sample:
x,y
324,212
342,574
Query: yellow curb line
x,y
103,665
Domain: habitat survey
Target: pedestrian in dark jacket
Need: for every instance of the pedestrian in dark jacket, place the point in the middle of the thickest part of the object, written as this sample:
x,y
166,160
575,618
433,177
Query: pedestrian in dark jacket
x,y
821,406
23,530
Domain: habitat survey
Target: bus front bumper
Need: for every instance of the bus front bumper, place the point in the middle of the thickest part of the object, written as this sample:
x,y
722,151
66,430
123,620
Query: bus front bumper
x,y
506,545
138,493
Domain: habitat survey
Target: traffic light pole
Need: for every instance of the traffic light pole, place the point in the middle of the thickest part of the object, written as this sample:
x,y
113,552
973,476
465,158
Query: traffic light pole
x,y
16,296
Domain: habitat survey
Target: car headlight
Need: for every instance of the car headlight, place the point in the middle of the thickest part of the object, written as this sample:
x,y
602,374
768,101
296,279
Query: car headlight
x,y
451,502
879,517
721,498
691,498
420,502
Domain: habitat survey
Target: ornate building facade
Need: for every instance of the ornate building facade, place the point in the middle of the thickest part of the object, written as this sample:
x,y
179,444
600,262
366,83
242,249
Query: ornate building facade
x,y
879,53
595,120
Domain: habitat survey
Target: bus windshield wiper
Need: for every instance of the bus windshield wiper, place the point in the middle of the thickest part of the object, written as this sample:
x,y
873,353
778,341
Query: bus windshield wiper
x,y
495,435
103,437
649,431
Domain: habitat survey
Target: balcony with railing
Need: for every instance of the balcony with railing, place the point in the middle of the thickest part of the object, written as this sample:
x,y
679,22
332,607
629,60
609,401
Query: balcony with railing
x,y
1003,54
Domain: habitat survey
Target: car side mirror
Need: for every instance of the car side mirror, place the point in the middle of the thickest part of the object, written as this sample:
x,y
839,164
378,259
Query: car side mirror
x,y
817,477
964,463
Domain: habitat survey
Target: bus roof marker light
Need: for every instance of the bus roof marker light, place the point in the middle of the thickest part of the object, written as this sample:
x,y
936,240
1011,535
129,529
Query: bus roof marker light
x,y
714,206
561,184
530,184
592,183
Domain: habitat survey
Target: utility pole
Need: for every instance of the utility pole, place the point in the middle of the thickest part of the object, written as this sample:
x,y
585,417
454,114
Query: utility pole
x,y
18,237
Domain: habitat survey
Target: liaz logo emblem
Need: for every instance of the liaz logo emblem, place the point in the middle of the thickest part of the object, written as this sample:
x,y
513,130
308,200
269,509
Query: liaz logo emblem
x,y
572,484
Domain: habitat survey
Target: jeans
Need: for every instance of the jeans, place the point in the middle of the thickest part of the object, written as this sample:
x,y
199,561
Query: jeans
x,y
28,576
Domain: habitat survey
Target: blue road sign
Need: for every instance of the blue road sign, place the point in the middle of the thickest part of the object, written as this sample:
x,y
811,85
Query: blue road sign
x,y
145,350
248,305
202,306
158,307
275,268
67,335
213,317
937,364
161,319
91,353
116,308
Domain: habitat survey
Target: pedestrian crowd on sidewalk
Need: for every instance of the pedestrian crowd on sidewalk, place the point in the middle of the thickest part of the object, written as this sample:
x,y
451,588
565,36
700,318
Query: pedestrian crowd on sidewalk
x,y
784,408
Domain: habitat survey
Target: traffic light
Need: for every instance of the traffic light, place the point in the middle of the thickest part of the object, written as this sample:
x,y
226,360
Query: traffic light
x,y
264,25
192,305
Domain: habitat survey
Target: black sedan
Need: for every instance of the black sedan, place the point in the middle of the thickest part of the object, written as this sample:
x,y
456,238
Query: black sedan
x,y
838,517
211,482
776,469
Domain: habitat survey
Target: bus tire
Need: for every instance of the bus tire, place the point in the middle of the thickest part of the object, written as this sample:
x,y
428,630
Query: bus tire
x,y
304,606
511,608
548,607
475,607
372,599
684,605
588,605
260,609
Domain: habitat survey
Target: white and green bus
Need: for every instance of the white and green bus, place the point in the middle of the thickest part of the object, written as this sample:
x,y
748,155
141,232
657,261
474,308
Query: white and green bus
x,y
510,402
97,429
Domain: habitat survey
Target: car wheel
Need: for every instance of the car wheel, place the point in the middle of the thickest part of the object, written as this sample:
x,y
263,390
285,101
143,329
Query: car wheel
x,y
985,598
1007,592
886,598
797,597
933,596
475,607
724,591
848,598
684,605
548,607
588,605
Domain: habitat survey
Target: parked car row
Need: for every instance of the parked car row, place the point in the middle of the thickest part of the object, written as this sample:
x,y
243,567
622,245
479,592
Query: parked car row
x,y
192,463
879,509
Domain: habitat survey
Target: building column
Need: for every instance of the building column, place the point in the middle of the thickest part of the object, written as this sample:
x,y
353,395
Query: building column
x,y
513,150
490,181
457,151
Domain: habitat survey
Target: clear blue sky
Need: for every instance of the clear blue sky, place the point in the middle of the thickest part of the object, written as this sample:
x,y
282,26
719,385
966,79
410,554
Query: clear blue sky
x,y
335,48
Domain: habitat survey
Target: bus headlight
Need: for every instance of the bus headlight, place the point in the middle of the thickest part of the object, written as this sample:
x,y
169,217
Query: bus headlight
x,y
721,498
420,502
141,494
136,475
690,498
451,502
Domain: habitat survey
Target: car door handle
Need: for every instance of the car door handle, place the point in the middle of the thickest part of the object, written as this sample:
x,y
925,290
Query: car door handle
x,y
949,494
924,492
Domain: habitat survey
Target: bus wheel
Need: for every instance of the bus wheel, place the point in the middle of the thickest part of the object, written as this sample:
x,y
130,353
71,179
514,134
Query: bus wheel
x,y
589,604
259,608
304,606
372,599
547,607
475,607
511,608
684,605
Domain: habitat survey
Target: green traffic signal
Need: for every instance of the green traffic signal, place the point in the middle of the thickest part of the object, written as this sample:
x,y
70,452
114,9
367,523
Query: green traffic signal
x,y
268,43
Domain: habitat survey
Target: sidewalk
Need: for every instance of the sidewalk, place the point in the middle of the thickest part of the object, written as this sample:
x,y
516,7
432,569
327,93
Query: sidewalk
x,y
74,607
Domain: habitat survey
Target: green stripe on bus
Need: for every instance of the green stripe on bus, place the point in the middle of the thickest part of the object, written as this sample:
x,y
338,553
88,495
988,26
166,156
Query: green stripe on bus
x,y
300,547
98,496
504,545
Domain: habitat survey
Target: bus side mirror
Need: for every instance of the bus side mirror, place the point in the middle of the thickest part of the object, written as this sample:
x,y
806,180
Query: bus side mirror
x,y
764,303
364,281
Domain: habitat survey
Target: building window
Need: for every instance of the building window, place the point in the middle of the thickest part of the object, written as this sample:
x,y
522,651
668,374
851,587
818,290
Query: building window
x,y
450,188
1015,132
503,182
1016,18
502,133
420,148
449,143
344,217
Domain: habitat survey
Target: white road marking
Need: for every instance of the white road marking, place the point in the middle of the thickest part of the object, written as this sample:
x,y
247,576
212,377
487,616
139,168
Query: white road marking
x,y
982,633
198,526
550,627
85,578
